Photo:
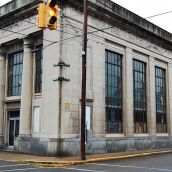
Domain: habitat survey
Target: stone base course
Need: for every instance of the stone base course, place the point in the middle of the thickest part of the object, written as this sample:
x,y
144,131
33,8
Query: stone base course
x,y
71,147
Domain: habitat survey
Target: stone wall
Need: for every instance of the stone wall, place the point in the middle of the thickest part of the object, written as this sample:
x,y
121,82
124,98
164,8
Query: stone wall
x,y
115,29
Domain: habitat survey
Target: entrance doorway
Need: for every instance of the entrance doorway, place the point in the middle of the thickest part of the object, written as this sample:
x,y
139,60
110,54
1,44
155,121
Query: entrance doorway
x,y
14,122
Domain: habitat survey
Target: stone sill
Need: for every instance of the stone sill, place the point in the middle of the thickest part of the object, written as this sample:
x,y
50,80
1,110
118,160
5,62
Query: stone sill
x,y
162,134
37,95
13,98
114,135
141,135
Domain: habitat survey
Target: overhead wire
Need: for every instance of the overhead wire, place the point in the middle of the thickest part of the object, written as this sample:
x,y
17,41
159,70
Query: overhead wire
x,y
58,30
17,32
98,30
69,22
25,34
163,13
76,36
101,37
156,15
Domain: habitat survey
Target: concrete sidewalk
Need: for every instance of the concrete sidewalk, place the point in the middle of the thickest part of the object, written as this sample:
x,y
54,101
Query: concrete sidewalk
x,y
71,160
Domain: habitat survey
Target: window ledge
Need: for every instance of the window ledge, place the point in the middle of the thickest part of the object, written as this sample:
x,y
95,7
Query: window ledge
x,y
38,95
141,135
13,98
162,134
114,135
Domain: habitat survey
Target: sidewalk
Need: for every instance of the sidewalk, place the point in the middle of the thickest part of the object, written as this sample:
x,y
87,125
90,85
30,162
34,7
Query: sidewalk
x,y
63,161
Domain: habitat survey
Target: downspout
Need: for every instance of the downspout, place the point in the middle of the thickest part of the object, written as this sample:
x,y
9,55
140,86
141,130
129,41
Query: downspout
x,y
60,90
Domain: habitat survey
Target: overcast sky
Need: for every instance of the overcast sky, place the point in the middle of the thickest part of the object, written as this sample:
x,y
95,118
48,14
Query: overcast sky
x,y
145,8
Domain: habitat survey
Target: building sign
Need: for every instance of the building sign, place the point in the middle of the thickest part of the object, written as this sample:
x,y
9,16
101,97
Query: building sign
x,y
67,106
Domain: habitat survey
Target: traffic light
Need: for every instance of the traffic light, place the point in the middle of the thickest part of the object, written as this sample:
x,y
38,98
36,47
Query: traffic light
x,y
41,20
48,15
52,14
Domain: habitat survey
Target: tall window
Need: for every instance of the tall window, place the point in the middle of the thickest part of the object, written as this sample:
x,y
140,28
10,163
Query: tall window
x,y
15,66
113,92
139,86
38,72
161,122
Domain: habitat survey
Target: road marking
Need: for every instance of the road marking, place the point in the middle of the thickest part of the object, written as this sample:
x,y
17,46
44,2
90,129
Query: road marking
x,y
126,166
37,168
21,169
79,169
13,165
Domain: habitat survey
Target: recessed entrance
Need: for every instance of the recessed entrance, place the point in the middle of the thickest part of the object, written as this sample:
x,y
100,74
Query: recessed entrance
x,y
14,122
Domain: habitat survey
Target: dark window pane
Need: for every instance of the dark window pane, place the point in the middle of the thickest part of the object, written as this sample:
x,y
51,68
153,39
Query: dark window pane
x,y
160,91
139,86
113,99
38,74
15,74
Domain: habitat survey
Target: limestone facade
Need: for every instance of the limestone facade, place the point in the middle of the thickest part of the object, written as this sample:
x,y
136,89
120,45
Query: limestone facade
x,y
48,122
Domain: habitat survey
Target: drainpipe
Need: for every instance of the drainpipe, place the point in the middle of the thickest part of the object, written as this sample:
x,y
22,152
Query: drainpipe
x,y
60,64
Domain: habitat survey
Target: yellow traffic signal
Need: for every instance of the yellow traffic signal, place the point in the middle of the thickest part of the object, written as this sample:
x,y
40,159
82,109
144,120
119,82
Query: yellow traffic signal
x,y
48,15
52,14
41,21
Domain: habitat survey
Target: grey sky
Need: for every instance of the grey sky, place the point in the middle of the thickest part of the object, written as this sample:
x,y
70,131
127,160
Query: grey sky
x,y
2,2
145,8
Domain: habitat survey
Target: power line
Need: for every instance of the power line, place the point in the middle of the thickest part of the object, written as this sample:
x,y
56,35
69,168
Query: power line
x,y
74,27
27,28
51,42
158,14
69,22
58,30
25,34
101,37
145,17
32,26
70,38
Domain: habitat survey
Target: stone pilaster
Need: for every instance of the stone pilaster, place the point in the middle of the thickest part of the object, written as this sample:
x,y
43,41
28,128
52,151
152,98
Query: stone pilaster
x,y
26,92
128,94
2,87
151,113
169,99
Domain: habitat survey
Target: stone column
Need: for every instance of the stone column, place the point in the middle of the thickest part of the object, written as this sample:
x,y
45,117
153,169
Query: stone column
x,y
26,91
128,94
169,99
151,113
2,88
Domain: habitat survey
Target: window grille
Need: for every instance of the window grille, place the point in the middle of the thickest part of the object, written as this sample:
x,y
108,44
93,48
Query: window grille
x,y
38,70
15,67
160,92
139,87
113,97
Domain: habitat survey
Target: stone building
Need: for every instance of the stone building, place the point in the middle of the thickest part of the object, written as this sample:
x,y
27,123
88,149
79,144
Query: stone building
x,y
129,80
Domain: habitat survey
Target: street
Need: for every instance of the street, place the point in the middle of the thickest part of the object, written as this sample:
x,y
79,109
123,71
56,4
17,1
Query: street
x,y
153,163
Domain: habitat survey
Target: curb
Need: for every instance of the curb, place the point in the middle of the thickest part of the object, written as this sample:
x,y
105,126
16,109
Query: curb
x,y
69,163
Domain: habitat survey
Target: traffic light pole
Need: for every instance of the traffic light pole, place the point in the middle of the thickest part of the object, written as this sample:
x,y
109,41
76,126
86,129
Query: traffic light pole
x,y
83,89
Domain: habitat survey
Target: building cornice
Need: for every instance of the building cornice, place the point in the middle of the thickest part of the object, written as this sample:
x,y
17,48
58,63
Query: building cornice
x,y
19,14
105,10
117,16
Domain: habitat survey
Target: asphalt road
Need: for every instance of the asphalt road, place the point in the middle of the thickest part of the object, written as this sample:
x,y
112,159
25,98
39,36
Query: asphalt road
x,y
155,163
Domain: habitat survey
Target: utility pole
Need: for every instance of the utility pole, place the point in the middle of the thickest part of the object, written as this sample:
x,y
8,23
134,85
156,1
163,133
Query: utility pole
x,y
83,89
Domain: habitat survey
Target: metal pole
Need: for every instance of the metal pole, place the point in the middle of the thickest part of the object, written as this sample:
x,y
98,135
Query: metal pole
x,y
83,91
